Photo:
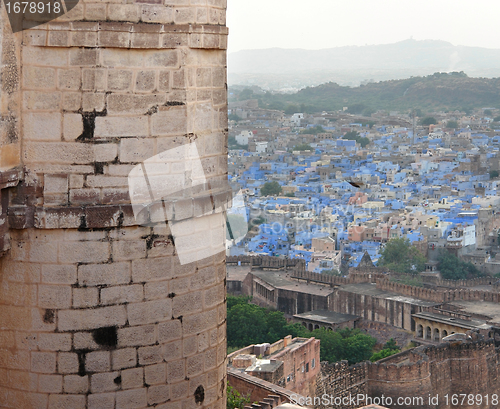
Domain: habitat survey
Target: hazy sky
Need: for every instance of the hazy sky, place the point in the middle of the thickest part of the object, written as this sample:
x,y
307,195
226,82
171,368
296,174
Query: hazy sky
x,y
316,24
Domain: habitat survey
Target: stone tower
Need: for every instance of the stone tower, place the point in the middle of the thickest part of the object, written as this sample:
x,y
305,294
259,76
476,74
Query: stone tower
x,y
96,310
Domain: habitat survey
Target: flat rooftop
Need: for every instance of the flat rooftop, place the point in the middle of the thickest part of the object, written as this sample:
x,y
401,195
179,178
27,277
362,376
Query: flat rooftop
x,y
327,317
459,322
486,308
371,289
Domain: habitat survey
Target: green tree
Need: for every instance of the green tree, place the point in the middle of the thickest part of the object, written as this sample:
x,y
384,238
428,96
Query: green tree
x,y
494,174
452,268
270,189
246,325
452,124
313,131
247,93
234,117
497,119
428,120
235,400
384,353
391,344
291,109
488,112
401,256
303,147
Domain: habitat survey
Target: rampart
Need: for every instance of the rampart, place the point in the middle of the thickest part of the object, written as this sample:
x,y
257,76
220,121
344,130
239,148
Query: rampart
x,y
468,368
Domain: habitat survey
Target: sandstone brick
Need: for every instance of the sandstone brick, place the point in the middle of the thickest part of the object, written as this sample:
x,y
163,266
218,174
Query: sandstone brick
x,y
176,371
123,12
75,181
74,320
187,303
132,378
152,13
83,252
58,39
83,38
150,355
76,384
98,361
58,274
42,126
97,181
149,312
115,57
114,39
173,351
105,152
69,79
101,401
158,394
55,184
122,294
169,122
72,101
34,37
54,296
135,104
183,15
63,153
190,346
155,374
85,297
39,77
124,358
94,11
93,101
45,56
67,362
136,150
39,100
43,362
119,80
145,40
145,270
131,399
50,383
66,401
84,196
197,323
161,58
145,81
156,290
135,336
84,341
98,274
121,127
54,342
104,382
83,56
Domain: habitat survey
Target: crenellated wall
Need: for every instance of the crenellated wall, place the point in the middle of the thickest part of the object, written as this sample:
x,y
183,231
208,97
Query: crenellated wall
x,y
468,368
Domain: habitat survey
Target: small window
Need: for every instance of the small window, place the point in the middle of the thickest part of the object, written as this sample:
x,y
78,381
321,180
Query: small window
x,y
307,367
302,368
313,363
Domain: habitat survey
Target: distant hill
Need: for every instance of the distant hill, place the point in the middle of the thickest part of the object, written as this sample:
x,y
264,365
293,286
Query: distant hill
x,y
433,92
294,68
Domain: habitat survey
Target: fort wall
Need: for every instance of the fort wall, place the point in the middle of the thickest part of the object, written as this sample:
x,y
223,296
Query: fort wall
x,y
96,310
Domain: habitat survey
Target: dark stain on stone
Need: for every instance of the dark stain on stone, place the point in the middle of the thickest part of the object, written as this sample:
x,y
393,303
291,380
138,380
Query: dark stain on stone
x,y
88,119
150,240
174,103
152,110
83,223
106,336
171,295
171,238
99,168
118,380
81,362
199,395
49,316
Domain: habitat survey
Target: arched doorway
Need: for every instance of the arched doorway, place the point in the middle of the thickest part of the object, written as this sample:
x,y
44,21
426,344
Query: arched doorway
x,y
428,333
420,331
436,335
444,333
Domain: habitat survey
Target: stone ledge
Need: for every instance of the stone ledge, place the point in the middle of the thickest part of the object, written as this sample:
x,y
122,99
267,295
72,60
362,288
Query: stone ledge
x,y
110,216
126,35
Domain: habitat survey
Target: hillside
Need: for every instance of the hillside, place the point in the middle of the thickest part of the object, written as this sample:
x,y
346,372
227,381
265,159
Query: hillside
x,y
288,68
438,91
